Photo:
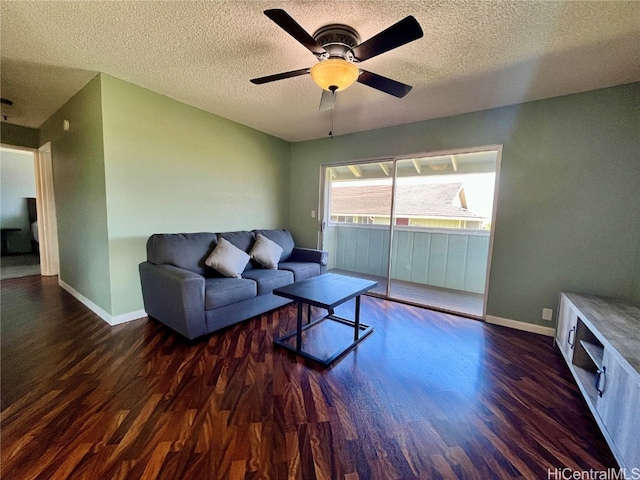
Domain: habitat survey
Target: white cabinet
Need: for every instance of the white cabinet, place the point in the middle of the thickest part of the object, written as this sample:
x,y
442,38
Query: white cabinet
x,y
600,340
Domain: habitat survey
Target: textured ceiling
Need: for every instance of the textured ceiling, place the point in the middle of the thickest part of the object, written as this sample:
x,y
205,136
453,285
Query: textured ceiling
x,y
474,55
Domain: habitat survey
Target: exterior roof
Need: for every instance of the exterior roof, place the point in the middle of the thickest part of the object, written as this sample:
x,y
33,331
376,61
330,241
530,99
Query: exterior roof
x,y
426,201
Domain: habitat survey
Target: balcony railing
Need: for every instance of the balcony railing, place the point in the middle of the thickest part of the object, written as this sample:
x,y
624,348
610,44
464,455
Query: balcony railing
x,y
448,258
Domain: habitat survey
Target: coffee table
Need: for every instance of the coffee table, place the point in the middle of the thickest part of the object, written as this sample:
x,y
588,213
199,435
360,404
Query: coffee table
x,y
325,291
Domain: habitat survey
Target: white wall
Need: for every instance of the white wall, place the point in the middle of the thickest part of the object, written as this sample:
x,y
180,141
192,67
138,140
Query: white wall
x,y
17,182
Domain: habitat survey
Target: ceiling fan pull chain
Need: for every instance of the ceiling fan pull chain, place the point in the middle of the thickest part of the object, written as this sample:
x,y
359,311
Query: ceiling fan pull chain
x,y
331,124
333,104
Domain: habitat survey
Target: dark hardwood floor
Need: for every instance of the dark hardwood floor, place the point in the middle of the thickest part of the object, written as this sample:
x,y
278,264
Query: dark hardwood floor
x,y
426,395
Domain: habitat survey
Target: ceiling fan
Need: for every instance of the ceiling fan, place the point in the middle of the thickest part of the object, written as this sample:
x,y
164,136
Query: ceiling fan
x,y
337,48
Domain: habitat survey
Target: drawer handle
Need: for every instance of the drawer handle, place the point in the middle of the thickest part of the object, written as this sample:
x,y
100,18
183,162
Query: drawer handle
x,y
601,380
569,340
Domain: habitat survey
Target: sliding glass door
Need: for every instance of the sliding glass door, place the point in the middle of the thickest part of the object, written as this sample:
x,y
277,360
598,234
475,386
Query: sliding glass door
x,y
420,226
357,219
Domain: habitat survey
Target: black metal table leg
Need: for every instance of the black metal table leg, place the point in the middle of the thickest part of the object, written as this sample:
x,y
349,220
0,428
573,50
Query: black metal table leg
x,y
325,292
299,328
356,330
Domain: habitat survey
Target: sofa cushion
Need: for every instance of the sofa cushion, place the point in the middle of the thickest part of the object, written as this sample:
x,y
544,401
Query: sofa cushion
x,y
219,292
227,259
301,270
242,239
182,250
267,280
282,238
266,252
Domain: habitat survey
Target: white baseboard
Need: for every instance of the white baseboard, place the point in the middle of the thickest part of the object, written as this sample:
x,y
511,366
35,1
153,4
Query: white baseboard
x,y
104,315
127,317
527,327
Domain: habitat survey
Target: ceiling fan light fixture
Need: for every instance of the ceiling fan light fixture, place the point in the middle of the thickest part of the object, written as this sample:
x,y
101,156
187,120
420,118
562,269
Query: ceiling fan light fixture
x,y
438,167
334,74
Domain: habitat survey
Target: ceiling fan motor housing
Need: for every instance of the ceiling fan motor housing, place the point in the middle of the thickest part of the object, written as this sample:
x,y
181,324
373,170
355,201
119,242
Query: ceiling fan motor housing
x,y
338,40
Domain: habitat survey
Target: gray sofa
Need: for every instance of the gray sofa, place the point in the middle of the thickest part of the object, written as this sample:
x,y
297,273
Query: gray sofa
x,y
193,299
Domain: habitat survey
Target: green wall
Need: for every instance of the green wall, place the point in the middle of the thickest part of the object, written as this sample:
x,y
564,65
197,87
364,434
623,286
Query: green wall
x,y
170,167
567,216
80,193
20,136
136,163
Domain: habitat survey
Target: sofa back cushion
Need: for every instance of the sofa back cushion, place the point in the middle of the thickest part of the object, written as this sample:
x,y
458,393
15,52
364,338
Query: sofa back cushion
x,y
243,240
282,238
183,250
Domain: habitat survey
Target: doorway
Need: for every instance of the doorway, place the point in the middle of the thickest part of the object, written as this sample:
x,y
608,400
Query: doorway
x,y
20,255
421,226
35,211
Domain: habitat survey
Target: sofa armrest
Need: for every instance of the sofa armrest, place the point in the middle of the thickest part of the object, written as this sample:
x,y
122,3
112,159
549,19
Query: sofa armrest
x,y
175,297
310,255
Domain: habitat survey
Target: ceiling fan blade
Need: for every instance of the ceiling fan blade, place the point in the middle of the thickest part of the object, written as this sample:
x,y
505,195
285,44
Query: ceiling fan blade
x,y
280,76
327,101
406,30
384,84
289,25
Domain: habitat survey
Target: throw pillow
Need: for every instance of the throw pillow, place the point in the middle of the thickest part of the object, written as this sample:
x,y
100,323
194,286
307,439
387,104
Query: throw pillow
x,y
227,259
266,252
